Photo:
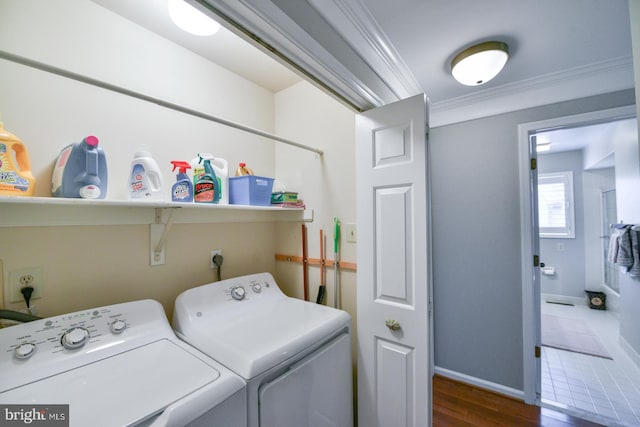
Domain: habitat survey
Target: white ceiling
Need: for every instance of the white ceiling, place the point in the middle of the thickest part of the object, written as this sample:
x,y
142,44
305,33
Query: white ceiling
x,y
561,45
224,48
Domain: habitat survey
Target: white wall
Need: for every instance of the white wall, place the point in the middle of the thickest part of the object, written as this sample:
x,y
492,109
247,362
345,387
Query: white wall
x,y
326,183
476,246
48,112
89,266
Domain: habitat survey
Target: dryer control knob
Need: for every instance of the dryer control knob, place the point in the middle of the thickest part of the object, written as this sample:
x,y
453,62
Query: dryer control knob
x,y
75,338
238,293
118,326
25,350
256,287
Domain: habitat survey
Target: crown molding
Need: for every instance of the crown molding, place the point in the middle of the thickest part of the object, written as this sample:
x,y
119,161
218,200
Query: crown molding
x,y
579,82
357,25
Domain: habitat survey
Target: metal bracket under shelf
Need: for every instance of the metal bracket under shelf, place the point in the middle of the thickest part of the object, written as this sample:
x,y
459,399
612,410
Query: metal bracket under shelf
x,y
158,232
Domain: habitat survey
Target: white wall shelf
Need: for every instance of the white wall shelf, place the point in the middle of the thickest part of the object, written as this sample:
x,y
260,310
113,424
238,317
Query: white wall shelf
x,y
53,211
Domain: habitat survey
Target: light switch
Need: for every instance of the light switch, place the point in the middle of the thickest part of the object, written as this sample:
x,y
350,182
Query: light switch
x,y
350,233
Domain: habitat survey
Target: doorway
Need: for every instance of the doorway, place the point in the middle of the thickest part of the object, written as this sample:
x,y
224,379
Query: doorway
x,y
539,388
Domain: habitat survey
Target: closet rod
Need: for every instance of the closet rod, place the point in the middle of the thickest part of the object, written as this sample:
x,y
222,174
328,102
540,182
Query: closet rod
x,y
108,86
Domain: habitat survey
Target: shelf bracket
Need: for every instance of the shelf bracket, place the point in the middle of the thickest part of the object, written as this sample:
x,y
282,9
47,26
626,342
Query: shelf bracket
x,y
158,234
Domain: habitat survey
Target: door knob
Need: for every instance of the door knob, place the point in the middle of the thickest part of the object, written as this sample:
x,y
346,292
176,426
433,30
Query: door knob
x,y
394,325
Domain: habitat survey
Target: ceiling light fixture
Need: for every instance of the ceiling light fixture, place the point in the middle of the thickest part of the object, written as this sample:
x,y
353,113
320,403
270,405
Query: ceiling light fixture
x,y
191,20
480,63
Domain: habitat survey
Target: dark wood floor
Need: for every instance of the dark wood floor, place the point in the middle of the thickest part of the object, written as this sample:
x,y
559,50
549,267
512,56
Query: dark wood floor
x,y
460,405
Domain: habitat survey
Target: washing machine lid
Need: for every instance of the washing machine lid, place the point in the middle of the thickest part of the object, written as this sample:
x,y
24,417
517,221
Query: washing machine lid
x,y
130,387
255,334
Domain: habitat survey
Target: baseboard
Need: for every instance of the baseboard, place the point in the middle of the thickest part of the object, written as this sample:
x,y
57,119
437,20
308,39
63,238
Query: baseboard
x,y
564,299
631,352
478,382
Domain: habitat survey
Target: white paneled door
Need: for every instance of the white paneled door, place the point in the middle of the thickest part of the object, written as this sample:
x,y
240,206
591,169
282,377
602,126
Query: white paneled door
x,y
394,375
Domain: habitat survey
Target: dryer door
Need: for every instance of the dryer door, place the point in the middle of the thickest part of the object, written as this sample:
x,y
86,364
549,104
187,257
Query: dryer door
x,y
315,392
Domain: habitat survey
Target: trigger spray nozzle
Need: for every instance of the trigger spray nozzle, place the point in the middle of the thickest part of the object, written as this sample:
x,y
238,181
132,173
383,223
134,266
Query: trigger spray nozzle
x,y
181,165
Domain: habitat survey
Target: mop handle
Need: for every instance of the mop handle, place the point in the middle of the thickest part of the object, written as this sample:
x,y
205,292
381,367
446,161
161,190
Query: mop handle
x,y
336,240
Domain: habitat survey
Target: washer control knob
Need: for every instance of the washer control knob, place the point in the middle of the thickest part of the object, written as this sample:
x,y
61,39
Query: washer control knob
x,y
25,350
257,287
118,326
75,338
238,293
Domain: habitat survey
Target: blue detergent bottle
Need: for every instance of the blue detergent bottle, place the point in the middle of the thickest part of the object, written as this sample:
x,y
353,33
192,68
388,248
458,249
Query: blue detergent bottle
x,y
206,188
182,190
80,171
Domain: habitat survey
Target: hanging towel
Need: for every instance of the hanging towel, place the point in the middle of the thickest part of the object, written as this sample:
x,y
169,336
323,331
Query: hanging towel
x,y
625,254
634,271
614,242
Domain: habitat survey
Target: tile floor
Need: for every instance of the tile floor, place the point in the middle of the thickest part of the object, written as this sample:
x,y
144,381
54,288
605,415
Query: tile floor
x,y
603,390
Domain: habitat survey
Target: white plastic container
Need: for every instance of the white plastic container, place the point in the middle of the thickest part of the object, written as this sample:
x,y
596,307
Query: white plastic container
x,y
221,168
145,179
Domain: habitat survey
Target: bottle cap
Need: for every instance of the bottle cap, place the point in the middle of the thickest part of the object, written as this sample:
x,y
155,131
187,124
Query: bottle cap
x,y
91,141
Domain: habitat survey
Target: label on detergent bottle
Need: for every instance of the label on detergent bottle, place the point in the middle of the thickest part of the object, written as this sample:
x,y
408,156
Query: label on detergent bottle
x,y
138,187
10,177
204,192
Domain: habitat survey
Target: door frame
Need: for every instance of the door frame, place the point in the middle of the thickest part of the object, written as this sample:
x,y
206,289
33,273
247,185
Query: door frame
x,y
531,289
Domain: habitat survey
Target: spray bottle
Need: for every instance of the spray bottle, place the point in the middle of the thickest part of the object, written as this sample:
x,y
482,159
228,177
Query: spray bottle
x,y
206,188
182,190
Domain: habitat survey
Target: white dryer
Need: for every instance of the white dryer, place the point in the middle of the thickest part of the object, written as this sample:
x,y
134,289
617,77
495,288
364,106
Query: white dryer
x,y
119,365
295,355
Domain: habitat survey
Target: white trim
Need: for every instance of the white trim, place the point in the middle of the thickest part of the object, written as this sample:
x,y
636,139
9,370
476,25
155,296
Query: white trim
x,y
529,316
594,79
478,382
356,24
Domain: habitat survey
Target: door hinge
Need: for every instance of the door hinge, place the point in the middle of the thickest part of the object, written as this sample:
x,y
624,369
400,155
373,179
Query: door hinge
x,y
537,350
536,261
534,164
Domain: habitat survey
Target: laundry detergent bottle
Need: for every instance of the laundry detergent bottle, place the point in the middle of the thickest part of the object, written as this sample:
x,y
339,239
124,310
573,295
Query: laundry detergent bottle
x,y
15,179
206,189
80,171
182,190
145,179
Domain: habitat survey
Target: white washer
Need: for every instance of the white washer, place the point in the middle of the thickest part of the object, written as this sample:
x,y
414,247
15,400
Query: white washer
x,y
295,355
119,365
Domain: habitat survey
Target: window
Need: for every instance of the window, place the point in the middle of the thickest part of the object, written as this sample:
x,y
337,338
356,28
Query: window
x,y
555,205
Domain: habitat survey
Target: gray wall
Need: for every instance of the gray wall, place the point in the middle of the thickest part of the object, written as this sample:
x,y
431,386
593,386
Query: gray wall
x,y
568,261
476,239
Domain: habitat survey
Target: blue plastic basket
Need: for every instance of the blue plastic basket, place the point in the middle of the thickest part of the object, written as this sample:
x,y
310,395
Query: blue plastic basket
x,y
250,190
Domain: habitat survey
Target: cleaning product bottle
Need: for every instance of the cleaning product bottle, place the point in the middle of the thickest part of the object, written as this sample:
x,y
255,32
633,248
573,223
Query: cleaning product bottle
x,y
243,170
182,190
221,168
15,180
206,189
80,171
145,179
197,165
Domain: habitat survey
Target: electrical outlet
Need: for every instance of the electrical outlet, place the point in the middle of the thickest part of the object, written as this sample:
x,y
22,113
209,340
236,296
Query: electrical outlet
x,y
214,252
18,279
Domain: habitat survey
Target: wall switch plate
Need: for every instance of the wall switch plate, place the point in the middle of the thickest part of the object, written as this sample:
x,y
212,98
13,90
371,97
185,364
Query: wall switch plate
x,y
18,279
350,233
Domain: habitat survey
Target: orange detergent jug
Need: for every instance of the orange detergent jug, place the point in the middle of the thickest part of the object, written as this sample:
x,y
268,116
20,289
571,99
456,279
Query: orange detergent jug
x,y
15,179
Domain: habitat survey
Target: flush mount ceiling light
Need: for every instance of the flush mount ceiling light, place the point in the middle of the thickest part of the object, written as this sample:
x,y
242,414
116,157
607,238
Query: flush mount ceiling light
x,y
191,20
478,64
